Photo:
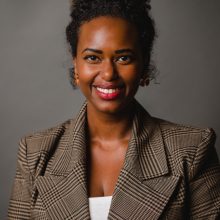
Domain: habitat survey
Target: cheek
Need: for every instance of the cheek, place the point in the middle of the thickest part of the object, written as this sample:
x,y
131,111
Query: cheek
x,y
85,73
131,75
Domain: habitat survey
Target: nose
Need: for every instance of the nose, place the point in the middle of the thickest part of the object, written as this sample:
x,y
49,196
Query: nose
x,y
109,71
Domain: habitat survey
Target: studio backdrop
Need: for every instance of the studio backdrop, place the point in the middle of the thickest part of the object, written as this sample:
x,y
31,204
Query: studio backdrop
x,y
36,94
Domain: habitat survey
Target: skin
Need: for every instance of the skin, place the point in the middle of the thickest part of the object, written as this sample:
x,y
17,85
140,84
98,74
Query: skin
x,y
108,57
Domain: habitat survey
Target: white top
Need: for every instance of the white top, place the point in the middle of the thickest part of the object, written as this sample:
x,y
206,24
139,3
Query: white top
x,y
99,207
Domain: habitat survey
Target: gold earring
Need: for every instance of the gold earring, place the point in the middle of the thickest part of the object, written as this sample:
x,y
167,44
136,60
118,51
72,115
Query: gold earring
x,y
75,79
144,81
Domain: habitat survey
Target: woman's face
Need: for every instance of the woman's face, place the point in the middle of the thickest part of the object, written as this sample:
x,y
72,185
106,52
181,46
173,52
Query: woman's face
x,y
108,64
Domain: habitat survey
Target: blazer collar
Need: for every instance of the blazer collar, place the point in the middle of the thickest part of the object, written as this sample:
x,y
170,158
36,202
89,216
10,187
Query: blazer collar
x,y
75,149
145,157
142,188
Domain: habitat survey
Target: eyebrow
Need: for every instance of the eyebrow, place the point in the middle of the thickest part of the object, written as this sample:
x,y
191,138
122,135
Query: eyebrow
x,y
126,50
92,50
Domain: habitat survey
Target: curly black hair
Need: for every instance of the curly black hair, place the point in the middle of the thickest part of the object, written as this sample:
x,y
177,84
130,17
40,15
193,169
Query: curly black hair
x,y
134,11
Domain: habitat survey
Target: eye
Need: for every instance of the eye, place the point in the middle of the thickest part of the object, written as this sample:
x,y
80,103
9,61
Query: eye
x,y
126,59
92,59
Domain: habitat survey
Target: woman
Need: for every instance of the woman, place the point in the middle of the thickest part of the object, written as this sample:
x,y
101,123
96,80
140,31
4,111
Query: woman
x,y
114,159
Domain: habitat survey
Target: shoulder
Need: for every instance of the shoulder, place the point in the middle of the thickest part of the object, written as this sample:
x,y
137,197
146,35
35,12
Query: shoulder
x,y
180,141
175,135
41,140
38,150
188,144
183,134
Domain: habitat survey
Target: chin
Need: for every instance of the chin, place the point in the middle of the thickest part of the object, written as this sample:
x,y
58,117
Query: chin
x,y
113,107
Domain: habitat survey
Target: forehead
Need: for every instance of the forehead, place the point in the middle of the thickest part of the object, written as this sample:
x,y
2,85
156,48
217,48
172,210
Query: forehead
x,y
107,31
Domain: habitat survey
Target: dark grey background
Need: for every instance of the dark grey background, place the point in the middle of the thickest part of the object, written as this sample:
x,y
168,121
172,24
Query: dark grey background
x,y
35,92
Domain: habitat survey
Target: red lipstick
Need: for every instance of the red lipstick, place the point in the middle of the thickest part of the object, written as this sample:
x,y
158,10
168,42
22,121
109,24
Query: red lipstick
x,y
108,92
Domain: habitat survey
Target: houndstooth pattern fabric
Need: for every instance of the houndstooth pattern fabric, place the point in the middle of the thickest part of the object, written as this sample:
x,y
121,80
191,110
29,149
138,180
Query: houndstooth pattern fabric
x,y
170,172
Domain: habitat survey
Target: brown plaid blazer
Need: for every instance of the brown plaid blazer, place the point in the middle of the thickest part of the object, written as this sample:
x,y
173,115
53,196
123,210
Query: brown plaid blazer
x,y
170,172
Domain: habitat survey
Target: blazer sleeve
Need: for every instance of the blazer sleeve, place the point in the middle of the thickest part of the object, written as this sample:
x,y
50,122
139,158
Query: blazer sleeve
x,y
20,201
204,180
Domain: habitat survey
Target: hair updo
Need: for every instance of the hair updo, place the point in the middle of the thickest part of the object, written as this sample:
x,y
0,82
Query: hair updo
x,y
134,11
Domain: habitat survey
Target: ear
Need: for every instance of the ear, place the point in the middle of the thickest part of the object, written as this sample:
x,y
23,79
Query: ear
x,y
74,65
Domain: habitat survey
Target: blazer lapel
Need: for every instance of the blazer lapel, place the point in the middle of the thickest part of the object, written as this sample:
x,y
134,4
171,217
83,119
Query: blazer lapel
x,y
144,185
137,199
64,191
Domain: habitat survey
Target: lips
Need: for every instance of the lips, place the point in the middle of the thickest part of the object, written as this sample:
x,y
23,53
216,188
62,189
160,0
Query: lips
x,y
109,92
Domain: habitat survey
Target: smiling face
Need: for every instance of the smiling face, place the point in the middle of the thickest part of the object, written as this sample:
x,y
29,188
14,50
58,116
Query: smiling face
x,y
108,64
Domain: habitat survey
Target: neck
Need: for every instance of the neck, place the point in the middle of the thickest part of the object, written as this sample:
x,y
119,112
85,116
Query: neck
x,y
108,127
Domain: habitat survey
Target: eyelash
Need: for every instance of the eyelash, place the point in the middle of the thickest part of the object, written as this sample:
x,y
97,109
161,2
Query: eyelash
x,y
90,58
128,60
93,59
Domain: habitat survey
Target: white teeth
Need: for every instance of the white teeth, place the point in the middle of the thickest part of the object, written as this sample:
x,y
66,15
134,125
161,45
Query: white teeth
x,y
106,91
